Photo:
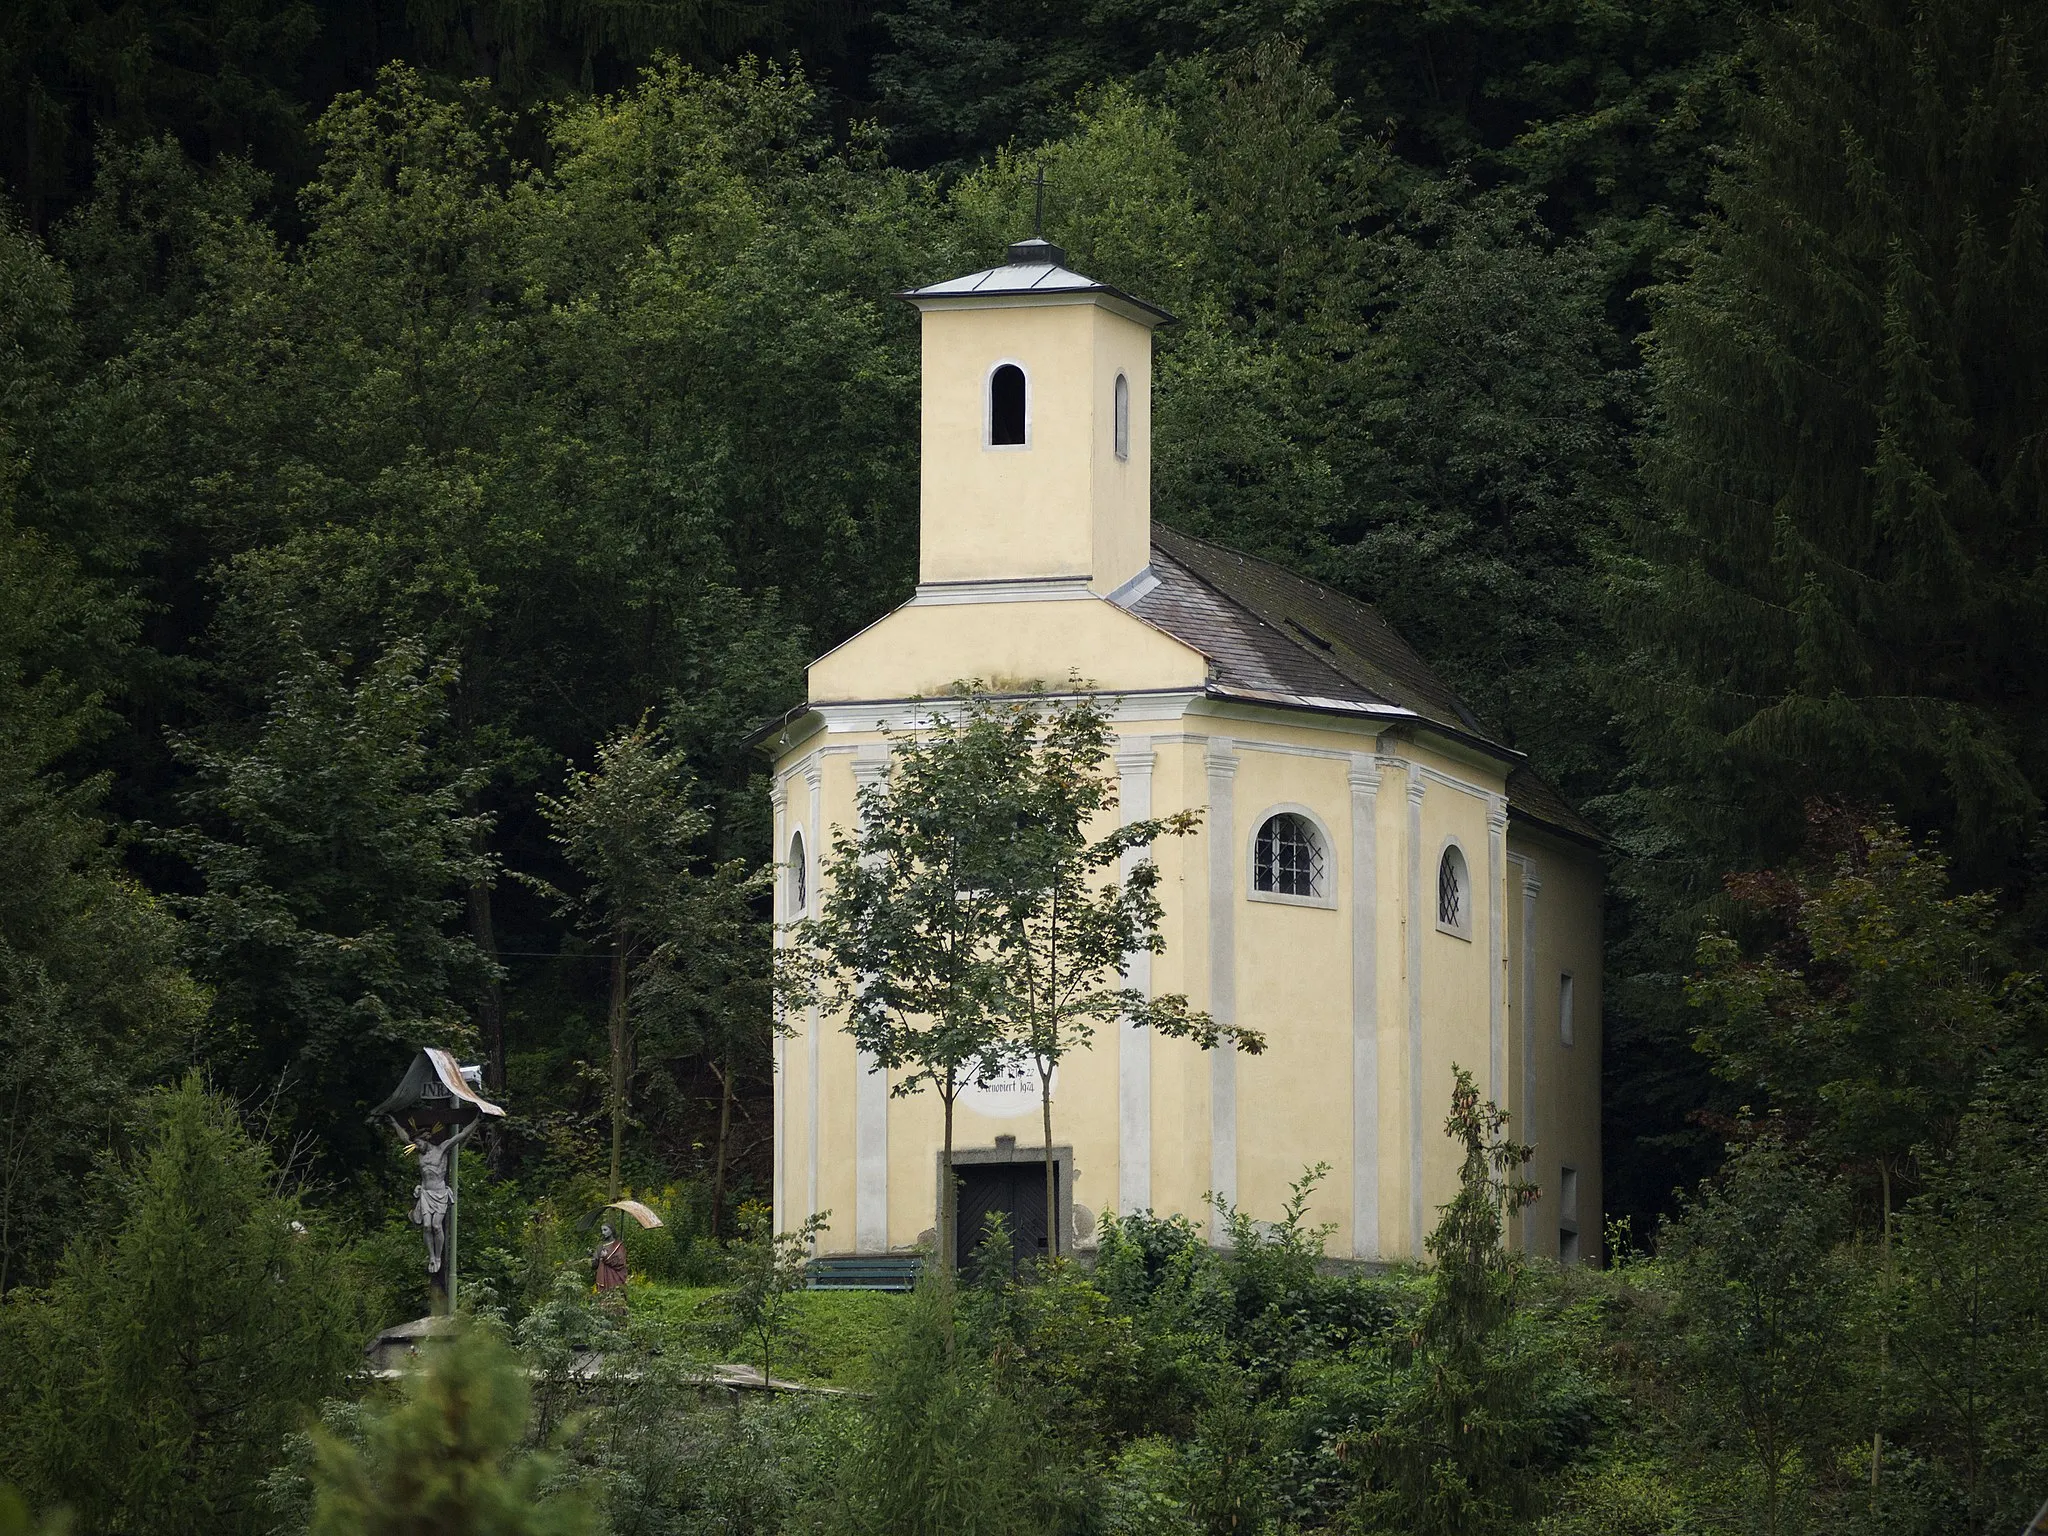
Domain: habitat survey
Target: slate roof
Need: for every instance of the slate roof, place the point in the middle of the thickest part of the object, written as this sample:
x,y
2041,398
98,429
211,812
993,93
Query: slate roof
x,y
1272,636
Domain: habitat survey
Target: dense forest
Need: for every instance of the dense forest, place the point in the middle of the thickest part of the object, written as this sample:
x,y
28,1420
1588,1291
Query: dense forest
x,y
436,434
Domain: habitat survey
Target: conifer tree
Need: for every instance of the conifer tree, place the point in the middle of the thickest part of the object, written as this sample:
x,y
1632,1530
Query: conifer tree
x,y
1843,585
451,1457
152,1385
1457,1451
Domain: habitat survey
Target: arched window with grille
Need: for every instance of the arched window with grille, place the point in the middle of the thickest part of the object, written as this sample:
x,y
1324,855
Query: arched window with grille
x,y
1009,407
1121,419
1454,893
799,877
1291,860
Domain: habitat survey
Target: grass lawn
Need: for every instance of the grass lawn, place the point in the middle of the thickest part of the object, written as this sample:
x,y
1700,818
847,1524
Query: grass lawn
x,y
833,1337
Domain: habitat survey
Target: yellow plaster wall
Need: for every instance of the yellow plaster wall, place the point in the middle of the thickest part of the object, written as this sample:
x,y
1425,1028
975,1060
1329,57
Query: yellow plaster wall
x,y
1062,504
1567,1103
1294,987
1294,979
920,652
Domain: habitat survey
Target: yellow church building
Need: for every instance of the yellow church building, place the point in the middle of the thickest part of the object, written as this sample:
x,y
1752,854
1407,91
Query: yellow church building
x,y
1377,887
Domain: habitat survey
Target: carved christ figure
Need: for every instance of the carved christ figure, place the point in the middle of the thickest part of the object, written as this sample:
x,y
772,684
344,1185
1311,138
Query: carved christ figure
x,y
433,1200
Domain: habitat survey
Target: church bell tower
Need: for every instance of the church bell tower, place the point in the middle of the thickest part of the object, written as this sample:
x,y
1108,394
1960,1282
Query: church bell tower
x,y
1036,426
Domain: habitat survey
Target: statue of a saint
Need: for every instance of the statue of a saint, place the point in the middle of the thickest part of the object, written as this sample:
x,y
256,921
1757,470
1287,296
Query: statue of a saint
x,y
433,1199
611,1260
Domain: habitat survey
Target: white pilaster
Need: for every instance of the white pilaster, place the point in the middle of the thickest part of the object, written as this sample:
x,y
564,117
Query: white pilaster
x,y
1221,762
1365,1007
1531,1034
1416,921
778,1064
1134,761
1496,949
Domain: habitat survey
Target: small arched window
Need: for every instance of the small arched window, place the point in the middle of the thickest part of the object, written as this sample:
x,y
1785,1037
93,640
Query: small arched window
x,y
1288,858
1123,417
1007,417
799,877
1453,893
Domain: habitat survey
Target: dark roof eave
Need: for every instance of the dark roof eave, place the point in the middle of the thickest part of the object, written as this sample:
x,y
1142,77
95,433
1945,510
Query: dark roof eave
x,y
920,298
1393,715
757,738
1594,841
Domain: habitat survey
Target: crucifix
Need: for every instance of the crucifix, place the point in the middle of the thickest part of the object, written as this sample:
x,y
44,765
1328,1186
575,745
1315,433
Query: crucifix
x,y
1038,211
435,1109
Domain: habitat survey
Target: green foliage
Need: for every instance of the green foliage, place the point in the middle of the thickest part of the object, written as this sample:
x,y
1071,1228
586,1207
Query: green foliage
x,y
1969,1318
768,1270
91,998
1841,589
1458,1448
450,1457
629,828
17,1520
678,1464
333,853
159,1373
1879,1005
1763,1290
946,1450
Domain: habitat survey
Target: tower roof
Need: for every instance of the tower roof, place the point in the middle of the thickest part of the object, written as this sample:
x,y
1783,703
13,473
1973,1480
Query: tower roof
x,y
1032,269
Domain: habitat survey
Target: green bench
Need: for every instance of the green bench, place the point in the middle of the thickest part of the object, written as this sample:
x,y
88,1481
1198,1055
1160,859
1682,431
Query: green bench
x,y
876,1272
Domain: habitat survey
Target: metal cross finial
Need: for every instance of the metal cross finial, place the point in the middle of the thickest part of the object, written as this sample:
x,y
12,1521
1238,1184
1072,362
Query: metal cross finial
x,y
1038,214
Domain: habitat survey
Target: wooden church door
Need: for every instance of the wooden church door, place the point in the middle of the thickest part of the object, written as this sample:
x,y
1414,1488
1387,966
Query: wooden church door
x,y
1014,1191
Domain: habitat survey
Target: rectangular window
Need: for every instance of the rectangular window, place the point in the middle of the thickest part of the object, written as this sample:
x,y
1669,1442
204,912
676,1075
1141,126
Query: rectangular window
x,y
1567,1216
1564,1008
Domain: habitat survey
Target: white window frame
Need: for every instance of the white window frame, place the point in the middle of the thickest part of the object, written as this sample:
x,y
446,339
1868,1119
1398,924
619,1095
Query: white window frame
x,y
1463,930
798,899
1328,901
988,408
1119,413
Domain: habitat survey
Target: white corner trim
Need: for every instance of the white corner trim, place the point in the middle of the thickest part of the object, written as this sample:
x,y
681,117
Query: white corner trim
x,y
1414,926
1496,949
899,716
1220,762
1365,1008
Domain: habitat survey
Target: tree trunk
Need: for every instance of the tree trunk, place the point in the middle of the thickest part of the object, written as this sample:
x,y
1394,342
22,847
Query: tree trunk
x,y
949,1198
619,1064
490,1006
1884,1333
1052,1192
724,1076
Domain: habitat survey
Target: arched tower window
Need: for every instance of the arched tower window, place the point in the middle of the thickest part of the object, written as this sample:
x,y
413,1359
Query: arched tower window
x,y
1453,893
799,877
1123,417
1007,418
1288,858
